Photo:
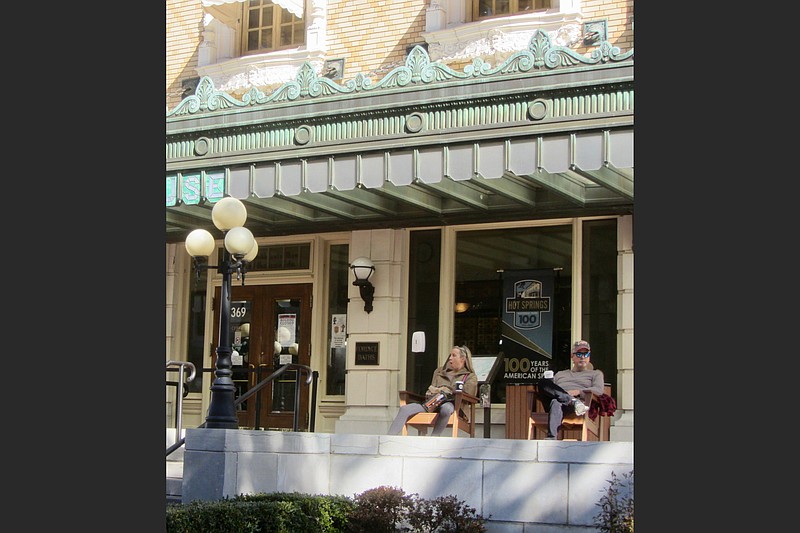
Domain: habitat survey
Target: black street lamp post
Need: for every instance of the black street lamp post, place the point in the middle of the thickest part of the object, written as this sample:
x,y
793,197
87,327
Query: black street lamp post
x,y
229,215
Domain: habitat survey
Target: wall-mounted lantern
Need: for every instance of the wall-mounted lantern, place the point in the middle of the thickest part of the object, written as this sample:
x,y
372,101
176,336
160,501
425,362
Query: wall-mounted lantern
x,y
362,269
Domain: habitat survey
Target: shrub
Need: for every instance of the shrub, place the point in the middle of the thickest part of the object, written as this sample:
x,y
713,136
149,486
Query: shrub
x,y
388,509
379,510
446,514
266,513
616,506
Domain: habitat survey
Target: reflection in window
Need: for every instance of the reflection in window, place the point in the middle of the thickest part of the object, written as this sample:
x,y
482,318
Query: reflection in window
x,y
479,257
337,318
196,332
269,27
423,306
496,8
599,299
287,335
280,257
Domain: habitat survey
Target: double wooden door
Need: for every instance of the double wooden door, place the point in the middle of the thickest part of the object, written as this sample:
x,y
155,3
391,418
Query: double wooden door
x,y
270,326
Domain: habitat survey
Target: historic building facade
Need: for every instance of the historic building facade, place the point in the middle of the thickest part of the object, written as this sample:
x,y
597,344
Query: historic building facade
x,y
464,147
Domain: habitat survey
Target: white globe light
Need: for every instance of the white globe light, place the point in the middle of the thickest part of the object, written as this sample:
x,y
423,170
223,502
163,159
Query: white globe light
x,y
228,213
362,268
249,256
239,240
200,243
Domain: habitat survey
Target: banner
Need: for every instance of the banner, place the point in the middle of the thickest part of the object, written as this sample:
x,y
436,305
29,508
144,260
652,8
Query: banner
x,y
527,324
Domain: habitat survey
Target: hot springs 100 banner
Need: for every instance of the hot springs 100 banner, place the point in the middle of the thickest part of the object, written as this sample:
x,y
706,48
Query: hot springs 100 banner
x,y
527,328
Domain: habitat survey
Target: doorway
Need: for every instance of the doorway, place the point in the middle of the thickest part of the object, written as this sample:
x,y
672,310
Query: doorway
x,y
270,327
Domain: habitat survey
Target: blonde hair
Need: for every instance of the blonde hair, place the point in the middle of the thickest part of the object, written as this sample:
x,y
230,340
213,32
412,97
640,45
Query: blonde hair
x,y
466,354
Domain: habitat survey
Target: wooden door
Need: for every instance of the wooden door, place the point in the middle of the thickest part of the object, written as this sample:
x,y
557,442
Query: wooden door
x,y
270,327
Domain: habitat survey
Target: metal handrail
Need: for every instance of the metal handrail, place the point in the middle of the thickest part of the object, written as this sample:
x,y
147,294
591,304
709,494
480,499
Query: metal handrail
x,y
257,388
182,366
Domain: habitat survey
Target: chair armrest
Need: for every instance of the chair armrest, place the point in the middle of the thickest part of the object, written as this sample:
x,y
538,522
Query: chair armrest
x,y
461,401
534,403
464,397
587,397
597,404
407,397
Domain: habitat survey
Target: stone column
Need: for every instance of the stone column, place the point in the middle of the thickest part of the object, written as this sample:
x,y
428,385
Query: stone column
x,y
622,430
371,390
436,16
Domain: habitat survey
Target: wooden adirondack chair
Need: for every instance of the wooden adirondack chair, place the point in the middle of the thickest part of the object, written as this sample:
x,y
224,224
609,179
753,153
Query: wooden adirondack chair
x,y
573,427
463,418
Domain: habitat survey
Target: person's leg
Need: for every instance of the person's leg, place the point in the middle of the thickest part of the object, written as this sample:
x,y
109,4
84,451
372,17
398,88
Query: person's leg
x,y
440,425
405,412
548,390
554,418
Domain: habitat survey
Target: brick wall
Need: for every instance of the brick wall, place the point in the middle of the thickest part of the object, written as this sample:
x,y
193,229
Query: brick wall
x,y
184,27
372,35
618,14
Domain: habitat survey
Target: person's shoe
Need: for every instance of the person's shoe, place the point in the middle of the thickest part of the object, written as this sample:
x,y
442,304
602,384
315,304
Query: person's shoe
x,y
551,438
580,407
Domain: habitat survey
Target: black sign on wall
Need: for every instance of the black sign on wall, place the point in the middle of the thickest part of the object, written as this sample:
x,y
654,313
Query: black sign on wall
x,y
367,353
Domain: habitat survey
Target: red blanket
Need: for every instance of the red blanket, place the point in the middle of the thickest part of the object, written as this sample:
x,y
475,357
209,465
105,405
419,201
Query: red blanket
x,y
605,406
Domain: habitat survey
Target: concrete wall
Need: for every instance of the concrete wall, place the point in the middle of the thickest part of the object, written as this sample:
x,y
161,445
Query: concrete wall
x,y
520,486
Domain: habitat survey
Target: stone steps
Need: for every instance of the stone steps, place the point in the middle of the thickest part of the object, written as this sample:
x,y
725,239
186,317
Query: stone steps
x,y
174,470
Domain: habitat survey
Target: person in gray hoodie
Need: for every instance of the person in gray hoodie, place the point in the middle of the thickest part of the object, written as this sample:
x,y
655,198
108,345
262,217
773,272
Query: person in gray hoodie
x,y
561,393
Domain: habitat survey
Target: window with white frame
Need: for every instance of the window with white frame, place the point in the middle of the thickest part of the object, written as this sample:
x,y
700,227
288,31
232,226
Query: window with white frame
x,y
249,43
267,27
497,8
460,30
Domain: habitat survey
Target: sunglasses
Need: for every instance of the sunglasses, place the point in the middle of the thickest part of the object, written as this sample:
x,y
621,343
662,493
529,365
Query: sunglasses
x,y
582,355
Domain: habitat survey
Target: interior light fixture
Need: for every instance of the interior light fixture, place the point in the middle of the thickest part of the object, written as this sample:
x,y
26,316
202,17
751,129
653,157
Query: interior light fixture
x,y
462,307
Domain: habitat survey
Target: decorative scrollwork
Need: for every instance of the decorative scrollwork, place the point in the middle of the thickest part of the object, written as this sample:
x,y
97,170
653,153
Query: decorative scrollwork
x,y
418,68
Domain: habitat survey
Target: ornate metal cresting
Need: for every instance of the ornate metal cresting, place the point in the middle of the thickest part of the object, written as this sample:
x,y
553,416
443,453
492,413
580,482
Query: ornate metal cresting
x,y
540,54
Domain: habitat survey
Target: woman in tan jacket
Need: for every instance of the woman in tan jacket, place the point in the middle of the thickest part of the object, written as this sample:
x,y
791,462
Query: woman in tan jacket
x,y
457,368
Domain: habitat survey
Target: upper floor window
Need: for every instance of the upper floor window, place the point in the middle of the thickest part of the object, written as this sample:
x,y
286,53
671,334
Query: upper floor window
x,y
496,8
268,27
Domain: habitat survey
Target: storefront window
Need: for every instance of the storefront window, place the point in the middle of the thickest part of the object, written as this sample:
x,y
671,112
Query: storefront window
x,y
599,298
483,258
485,262
423,306
196,330
337,318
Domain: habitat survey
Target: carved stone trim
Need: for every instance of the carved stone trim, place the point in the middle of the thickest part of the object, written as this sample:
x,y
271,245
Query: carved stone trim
x,y
202,145
540,54
414,122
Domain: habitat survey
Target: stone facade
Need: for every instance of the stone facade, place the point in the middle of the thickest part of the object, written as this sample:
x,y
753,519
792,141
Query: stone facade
x,y
519,485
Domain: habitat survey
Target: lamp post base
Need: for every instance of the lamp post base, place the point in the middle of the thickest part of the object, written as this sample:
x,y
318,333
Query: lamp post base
x,y
221,413
221,410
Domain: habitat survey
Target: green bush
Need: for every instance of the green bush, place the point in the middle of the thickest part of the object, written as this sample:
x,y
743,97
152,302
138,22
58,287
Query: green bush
x,y
379,510
388,509
616,506
264,513
446,514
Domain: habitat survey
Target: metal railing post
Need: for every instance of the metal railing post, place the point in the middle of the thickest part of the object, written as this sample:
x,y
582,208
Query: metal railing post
x,y
312,422
182,365
296,417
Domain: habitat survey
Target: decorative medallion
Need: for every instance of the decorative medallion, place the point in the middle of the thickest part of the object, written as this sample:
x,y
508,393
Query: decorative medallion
x,y
202,145
302,135
414,123
537,109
